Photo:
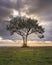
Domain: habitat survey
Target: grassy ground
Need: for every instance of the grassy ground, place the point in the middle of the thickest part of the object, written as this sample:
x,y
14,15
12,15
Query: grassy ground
x,y
26,56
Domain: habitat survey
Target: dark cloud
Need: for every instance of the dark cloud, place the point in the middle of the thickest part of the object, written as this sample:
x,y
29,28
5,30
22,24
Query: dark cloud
x,y
6,3
4,12
43,8
40,8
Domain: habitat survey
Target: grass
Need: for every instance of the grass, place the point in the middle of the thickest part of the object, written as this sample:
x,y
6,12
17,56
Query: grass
x,y
26,56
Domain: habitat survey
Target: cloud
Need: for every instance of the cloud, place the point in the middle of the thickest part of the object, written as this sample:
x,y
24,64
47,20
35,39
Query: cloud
x,y
40,9
5,40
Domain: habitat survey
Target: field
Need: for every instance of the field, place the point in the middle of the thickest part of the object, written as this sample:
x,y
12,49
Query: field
x,y
26,56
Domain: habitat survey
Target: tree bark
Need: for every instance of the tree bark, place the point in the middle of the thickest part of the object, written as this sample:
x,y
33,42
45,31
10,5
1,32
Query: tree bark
x,y
24,41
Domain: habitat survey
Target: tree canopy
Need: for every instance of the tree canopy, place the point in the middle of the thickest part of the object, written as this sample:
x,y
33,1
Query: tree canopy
x,y
25,26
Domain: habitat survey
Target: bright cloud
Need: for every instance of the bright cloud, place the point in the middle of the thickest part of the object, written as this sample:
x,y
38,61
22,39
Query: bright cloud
x,y
15,13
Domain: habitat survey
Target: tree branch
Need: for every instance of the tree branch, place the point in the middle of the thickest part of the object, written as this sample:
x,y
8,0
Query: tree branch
x,y
18,32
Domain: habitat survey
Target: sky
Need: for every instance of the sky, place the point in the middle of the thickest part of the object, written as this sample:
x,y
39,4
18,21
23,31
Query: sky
x,y
37,9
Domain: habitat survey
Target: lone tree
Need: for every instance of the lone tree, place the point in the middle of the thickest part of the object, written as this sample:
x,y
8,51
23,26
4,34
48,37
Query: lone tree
x,y
24,27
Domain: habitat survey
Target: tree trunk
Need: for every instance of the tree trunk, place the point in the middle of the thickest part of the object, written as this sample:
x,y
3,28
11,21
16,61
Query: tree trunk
x,y
24,41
